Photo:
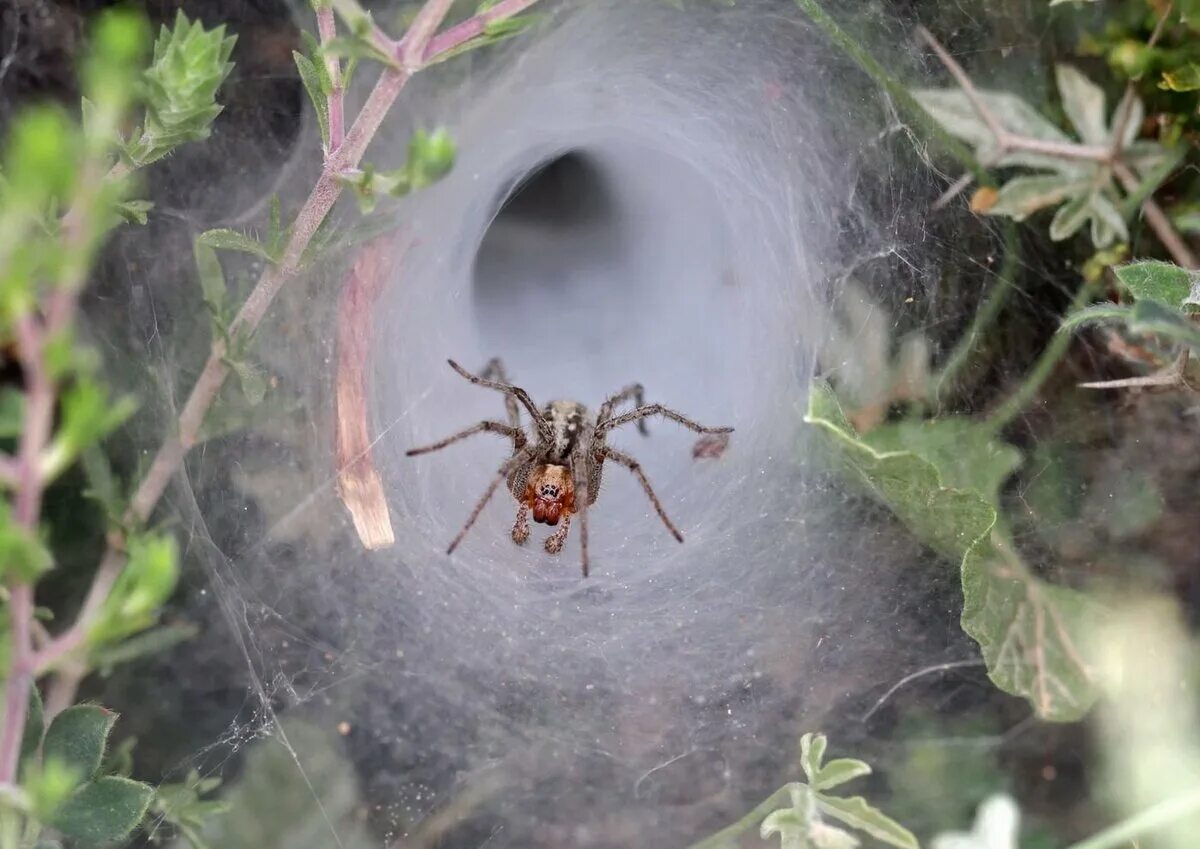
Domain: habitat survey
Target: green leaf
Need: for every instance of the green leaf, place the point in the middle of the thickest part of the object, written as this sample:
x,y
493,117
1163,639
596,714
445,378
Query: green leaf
x,y
146,582
1071,217
23,555
812,752
1083,101
134,211
180,87
1186,78
252,379
839,771
1107,223
856,813
35,725
1029,631
966,455
493,33
1020,197
88,415
104,811
1159,281
154,641
1160,320
956,114
948,519
1096,313
232,240
949,501
210,274
312,84
78,736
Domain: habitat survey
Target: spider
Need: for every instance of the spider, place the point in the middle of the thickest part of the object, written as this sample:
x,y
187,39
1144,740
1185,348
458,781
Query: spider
x,y
557,476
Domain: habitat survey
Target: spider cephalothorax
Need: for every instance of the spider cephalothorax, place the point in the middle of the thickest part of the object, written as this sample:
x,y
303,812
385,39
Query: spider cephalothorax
x,y
557,476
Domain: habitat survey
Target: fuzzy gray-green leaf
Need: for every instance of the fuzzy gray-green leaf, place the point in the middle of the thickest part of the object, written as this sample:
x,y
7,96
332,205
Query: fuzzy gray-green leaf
x,y
812,753
1022,196
1083,101
839,771
231,240
78,737
858,814
311,77
104,811
1158,281
1070,218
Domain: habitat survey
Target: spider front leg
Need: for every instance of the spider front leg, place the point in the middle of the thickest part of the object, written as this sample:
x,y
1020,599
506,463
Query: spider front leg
x,y
539,421
634,466
633,391
556,541
511,463
656,410
514,433
579,474
520,531
494,370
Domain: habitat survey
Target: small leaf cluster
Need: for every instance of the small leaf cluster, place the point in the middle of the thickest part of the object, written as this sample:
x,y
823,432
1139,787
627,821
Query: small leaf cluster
x,y
1166,302
430,157
185,808
68,786
180,88
808,822
1082,191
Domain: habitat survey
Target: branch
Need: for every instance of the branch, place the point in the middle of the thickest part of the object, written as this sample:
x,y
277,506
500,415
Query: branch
x,y
411,48
1125,110
1008,142
1158,220
327,29
473,27
169,458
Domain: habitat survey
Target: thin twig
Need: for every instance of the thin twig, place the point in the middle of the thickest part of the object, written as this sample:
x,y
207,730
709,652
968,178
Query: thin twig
x,y
411,49
1009,142
458,35
1125,110
327,29
1172,375
1158,220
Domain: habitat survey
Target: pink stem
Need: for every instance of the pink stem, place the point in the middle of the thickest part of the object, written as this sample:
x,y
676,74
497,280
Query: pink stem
x,y
39,417
411,48
473,27
327,29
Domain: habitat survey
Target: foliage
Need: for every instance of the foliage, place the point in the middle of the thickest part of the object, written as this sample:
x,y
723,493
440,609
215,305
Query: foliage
x,y
1082,190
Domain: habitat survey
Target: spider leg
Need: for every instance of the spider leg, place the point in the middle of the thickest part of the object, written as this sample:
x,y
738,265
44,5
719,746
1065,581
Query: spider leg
x,y
509,464
520,531
636,467
579,474
512,391
494,370
634,391
513,433
656,410
555,542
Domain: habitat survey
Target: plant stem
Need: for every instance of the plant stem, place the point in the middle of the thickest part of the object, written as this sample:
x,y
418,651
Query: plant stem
x,y
27,504
1158,220
984,315
1156,816
473,27
895,89
171,453
1042,369
327,29
411,47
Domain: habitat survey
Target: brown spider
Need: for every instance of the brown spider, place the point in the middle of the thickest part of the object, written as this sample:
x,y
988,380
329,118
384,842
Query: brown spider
x,y
565,459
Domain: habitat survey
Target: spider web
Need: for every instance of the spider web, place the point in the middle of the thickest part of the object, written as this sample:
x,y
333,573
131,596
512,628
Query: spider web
x,y
712,182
